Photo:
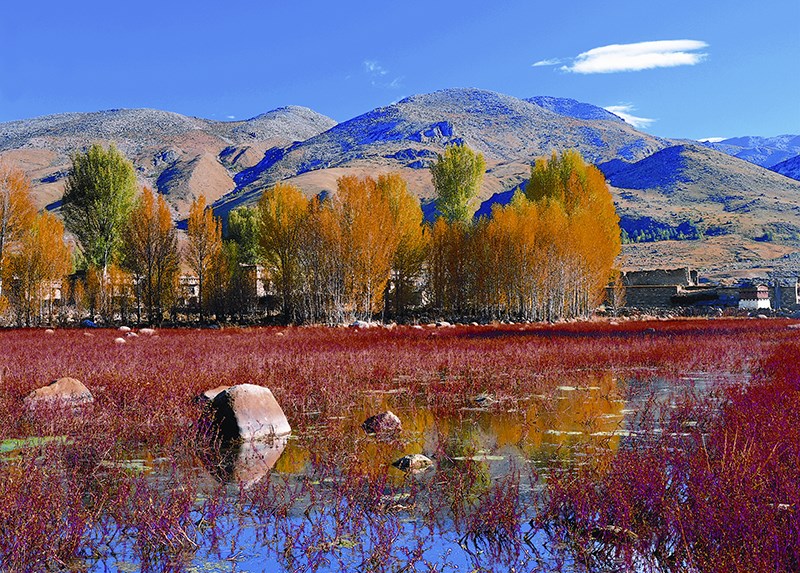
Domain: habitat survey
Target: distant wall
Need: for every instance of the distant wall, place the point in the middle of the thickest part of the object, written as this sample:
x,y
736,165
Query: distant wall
x,y
647,296
660,277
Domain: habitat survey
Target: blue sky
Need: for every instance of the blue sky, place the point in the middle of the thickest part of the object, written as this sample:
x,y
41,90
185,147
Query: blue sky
x,y
719,68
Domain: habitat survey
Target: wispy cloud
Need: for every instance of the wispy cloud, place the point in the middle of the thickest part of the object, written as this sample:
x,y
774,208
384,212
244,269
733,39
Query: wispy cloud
x,y
550,62
230,116
633,57
374,68
624,111
379,76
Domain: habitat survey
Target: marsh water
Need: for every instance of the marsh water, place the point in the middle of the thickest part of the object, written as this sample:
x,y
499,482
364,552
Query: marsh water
x,y
297,504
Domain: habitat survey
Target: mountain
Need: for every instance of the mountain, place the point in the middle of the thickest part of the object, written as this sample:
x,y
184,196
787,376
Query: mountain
x,y
407,136
789,168
573,108
180,156
744,214
763,151
680,203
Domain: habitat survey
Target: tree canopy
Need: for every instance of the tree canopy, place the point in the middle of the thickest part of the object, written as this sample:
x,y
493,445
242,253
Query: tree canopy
x,y
98,199
457,176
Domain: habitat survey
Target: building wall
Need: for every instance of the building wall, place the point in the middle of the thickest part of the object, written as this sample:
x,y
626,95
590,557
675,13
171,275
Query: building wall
x,y
660,277
650,296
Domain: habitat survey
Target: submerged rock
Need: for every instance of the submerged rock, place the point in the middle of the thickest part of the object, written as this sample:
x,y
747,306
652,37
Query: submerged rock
x,y
413,463
382,424
246,412
61,392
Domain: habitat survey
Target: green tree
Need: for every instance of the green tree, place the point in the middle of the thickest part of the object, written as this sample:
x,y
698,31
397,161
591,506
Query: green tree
x,y
243,230
457,176
98,199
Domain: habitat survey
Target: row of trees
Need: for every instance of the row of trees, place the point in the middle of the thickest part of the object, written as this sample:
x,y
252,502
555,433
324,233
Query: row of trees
x,y
549,254
362,252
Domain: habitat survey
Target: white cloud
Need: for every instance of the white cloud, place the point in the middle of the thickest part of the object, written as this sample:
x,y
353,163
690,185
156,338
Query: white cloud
x,y
633,57
230,116
624,111
639,56
550,62
712,139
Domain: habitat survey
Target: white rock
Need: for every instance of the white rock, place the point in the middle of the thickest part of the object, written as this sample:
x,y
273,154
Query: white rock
x,y
119,340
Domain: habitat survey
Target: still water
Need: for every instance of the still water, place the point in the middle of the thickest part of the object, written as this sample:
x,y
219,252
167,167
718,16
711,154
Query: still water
x,y
328,498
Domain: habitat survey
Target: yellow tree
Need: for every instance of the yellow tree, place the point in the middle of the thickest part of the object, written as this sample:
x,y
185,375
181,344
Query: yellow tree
x,y
39,265
369,239
16,213
589,239
151,254
204,244
280,217
412,240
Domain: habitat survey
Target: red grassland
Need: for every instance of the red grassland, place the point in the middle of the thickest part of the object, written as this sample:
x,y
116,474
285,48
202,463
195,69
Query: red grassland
x,y
646,498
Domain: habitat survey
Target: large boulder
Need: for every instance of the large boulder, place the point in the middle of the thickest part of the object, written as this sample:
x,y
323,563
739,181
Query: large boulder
x,y
383,424
61,392
246,412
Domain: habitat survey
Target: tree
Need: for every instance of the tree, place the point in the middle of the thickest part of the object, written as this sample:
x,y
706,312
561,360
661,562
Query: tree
x,y
204,233
43,259
412,241
243,230
457,176
151,253
590,241
369,239
281,211
98,198
16,213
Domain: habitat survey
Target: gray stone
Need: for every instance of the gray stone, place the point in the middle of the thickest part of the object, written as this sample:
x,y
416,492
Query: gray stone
x,y
413,463
246,412
382,424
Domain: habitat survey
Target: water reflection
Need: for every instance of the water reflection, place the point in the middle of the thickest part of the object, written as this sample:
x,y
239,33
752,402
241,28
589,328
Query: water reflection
x,y
246,462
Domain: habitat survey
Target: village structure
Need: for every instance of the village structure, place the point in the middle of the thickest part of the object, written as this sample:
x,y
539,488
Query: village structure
x,y
682,288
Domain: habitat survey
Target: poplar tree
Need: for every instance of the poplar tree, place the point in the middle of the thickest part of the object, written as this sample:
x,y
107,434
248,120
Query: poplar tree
x,y
98,198
151,253
16,213
457,175
204,233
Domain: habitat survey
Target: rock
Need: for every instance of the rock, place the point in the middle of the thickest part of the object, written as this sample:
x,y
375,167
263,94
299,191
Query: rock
x,y
208,396
49,331
246,412
86,323
382,424
147,331
360,324
443,324
131,335
124,329
417,327
119,340
413,463
61,392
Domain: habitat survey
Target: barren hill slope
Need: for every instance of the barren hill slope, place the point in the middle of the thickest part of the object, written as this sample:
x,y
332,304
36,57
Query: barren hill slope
x,y
157,142
406,136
